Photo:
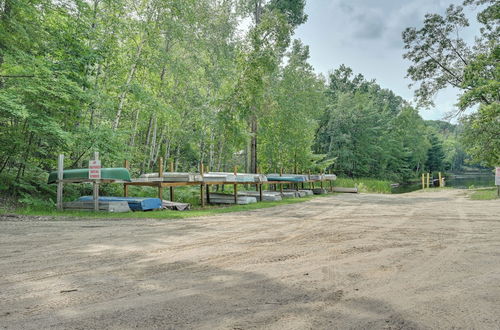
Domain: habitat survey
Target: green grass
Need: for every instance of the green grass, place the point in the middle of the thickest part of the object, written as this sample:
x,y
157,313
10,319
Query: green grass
x,y
484,194
189,195
366,185
197,212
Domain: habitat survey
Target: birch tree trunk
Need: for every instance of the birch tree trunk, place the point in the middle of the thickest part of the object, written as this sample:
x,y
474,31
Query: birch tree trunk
x,y
130,77
134,130
153,143
253,144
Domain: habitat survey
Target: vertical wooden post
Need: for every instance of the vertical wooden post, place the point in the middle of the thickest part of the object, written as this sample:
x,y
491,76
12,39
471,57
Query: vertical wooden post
x,y
235,187
440,180
207,189
95,195
281,184
125,186
160,175
202,186
257,185
60,184
309,179
428,180
423,181
171,188
95,184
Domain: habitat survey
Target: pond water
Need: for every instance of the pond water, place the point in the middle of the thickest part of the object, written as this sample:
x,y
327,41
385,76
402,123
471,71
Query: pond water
x,y
460,181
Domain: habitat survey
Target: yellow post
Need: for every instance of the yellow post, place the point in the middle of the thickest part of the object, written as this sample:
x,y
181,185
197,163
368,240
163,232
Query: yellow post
x,y
423,181
428,180
440,180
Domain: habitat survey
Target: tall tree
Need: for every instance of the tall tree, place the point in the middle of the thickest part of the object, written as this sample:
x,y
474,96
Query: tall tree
x,y
441,58
273,24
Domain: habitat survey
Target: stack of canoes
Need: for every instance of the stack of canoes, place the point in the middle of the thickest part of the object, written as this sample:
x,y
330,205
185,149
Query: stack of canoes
x,y
316,177
271,196
219,177
216,198
297,193
231,177
170,177
287,177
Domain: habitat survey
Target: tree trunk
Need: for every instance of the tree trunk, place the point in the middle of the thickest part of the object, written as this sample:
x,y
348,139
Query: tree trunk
x,y
257,12
202,147
6,13
211,150
158,145
153,143
27,152
253,144
130,76
148,137
221,150
134,131
167,150
177,155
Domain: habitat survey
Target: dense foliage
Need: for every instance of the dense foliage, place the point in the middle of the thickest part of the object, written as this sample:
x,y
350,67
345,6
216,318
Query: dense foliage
x,y
211,81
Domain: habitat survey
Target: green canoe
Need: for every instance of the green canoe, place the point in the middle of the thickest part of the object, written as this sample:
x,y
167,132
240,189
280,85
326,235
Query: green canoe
x,y
82,174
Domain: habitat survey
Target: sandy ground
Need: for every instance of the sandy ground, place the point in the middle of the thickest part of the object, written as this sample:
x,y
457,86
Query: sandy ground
x,y
419,260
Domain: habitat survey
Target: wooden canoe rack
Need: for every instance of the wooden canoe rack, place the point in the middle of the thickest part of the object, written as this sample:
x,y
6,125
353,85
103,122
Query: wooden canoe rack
x,y
205,185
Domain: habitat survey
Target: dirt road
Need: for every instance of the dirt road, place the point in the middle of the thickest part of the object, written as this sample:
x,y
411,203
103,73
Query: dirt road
x,y
419,260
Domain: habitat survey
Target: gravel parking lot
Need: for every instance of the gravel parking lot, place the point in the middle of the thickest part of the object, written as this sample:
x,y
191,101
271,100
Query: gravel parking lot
x,y
418,260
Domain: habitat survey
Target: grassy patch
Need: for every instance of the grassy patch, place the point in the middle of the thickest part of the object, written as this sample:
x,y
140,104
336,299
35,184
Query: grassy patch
x,y
197,212
365,185
484,194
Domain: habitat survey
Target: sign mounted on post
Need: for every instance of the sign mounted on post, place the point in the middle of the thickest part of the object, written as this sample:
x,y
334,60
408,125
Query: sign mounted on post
x,y
95,169
497,176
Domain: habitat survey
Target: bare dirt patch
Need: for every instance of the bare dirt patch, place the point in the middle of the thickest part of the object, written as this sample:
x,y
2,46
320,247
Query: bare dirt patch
x,y
420,260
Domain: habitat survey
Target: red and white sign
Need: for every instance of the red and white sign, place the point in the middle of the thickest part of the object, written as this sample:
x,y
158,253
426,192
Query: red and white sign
x,y
95,169
497,176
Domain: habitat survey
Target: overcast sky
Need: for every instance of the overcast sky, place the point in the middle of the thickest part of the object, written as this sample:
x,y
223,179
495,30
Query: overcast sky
x,y
366,35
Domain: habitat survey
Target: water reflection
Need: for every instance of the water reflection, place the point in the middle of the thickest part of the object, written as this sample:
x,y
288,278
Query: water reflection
x,y
460,181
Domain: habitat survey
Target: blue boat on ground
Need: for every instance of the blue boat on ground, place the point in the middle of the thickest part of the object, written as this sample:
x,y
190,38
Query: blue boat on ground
x,y
135,203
